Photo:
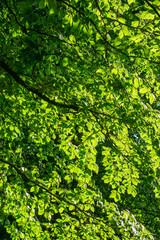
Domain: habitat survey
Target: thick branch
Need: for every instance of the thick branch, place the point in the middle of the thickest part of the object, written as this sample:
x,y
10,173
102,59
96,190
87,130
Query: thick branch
x,y
33,90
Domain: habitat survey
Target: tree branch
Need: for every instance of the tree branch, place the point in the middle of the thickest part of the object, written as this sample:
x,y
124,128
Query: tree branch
x,y
22,27
22,174
154,9
33,90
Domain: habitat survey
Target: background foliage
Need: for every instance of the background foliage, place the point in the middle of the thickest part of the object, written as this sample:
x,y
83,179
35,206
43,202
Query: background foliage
x,y
79,133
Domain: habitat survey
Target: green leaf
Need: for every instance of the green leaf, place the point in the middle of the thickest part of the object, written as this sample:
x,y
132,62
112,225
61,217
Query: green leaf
x,y
32,189
51,11
11,128
48,139
66,19
113,194
71,207
143,90
135,24
65,62
61,209
121,34
136,82
131,1
151,98
72,39
42,4
100,71
147,15
40,211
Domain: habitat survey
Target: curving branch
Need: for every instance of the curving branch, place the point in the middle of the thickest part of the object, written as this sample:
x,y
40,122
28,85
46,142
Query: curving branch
x,y
60,198
33,90
44,97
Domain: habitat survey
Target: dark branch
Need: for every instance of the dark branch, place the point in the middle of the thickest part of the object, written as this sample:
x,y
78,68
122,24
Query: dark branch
x,y
22,27
154,9
33,90
24,176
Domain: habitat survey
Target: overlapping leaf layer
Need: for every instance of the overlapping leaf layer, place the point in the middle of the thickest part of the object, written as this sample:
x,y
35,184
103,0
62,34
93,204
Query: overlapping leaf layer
x,y
80,110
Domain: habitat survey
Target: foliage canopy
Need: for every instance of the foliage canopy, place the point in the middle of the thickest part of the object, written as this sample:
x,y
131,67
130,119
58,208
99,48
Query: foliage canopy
x,y
79,133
